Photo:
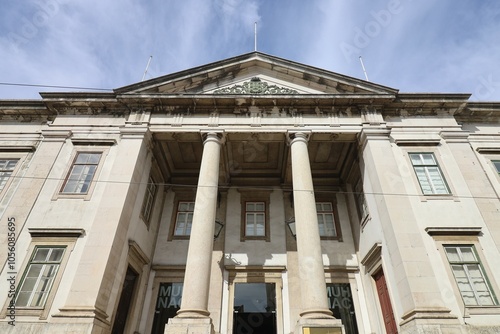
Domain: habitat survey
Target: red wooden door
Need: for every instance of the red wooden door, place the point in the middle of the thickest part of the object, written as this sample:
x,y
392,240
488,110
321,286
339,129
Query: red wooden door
x,y
385,303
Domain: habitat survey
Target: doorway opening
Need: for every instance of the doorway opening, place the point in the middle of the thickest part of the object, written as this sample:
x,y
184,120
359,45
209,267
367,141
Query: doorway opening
x,y
385,303
254,308
125,301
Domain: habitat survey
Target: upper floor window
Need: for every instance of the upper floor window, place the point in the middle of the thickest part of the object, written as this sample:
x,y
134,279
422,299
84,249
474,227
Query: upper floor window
x,y
82,173
7,166
255,219
39,276
255,215
147,205
326,220
359,196
184,219
469,275
429,174
496,163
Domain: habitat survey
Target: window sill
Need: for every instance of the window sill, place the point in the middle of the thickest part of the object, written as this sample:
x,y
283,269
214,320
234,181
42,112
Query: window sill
x,y
365,221
433,197
180,237
259,238
26,311
482,310
339,239
84,196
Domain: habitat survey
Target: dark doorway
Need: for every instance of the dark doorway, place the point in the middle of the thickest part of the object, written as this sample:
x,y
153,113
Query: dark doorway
x,y
385,303
254,308
167,305
125,301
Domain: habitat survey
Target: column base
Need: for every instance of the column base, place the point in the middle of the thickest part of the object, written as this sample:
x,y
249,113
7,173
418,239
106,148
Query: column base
x,y
192,313
317,314
319,326
189,326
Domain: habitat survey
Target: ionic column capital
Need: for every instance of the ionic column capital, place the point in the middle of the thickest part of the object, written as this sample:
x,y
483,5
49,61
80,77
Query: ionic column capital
x,y
295,136
216,136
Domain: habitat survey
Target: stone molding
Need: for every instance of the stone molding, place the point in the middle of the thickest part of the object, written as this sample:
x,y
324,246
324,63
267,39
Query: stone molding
x,y
453,230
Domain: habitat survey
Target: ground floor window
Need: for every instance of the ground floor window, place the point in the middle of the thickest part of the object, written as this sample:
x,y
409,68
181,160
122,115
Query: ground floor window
x,y
470,276
168,303
39,276
341,304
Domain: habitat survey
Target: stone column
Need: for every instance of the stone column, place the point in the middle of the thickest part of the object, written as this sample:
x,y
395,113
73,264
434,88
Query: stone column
x,y
311,269
193,315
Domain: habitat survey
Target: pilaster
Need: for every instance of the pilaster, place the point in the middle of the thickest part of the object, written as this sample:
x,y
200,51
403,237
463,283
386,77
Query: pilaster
x,y
415,292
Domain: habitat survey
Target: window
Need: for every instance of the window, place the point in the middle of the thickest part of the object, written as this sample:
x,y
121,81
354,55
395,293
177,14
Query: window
x,y
326,220
82,173
184,219
495,163
6,168
255,215
39,276
429,174
147,205
255,219
167,304
341,303
469,275
359,196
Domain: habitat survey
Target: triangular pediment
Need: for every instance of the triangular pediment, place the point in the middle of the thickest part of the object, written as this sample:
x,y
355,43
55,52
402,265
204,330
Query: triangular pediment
x,y
255,74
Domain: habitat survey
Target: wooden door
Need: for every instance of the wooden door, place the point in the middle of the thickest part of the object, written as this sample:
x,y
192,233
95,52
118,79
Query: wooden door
x,y
385,303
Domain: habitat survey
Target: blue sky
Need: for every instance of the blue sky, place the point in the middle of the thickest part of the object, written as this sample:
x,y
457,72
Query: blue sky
x,y
450,46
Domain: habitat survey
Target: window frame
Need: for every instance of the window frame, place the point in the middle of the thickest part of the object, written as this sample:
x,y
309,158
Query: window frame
x,y
464,263
44,239
425,166
69,168
257,197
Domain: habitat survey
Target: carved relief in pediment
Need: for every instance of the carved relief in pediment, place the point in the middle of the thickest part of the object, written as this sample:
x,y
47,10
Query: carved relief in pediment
x,y
256,86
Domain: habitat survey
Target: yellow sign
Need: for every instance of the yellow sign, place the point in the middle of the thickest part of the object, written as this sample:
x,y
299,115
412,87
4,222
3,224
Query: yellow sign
x,y
322,330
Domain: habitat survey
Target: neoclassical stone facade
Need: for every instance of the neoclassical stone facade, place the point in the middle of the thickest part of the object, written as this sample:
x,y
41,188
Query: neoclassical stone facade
x,y
250,195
